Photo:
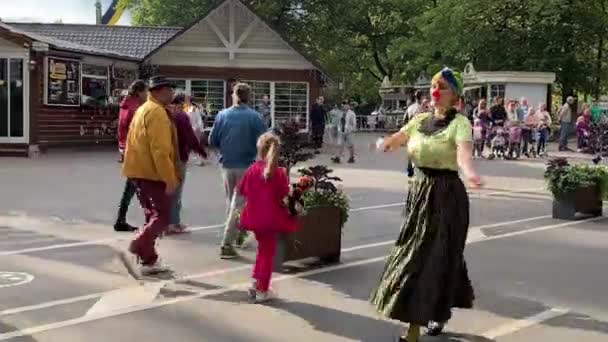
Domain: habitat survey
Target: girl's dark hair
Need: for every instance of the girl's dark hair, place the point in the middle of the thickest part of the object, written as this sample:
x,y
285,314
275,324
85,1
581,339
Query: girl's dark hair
x,y
179,99
137,87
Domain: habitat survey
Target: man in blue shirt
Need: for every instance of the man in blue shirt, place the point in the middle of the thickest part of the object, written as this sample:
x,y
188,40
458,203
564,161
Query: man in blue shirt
x,y
235,134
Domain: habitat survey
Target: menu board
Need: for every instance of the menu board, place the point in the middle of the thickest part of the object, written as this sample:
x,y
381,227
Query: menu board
x,y
62,82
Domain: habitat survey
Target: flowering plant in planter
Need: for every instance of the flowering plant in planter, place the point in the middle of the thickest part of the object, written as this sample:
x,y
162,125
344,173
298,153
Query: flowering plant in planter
x,y
563,179
324,192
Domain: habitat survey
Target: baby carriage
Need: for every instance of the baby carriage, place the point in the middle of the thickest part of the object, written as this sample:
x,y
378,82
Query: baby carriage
x,y
514,142
479,139
498,145
531,151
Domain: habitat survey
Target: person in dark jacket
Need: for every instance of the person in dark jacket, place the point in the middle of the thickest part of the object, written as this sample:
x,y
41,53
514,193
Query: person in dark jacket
x,y
498,113
136,97
187,142
318,117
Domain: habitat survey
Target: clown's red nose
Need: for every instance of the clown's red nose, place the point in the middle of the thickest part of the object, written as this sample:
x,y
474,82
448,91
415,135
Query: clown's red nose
x,y
435,94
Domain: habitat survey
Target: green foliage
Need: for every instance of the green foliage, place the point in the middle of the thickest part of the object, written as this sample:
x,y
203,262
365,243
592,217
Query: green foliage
x,y
325,193
564,179
361,41
292,145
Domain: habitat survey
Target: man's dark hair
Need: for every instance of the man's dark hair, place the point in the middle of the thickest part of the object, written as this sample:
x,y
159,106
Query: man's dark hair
x,y
243,92
418,95
137,87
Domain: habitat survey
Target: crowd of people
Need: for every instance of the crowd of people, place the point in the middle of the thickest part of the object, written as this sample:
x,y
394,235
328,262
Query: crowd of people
x,y
425,275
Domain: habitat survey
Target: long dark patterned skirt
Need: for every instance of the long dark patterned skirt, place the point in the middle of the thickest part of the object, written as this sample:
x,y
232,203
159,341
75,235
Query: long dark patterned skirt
x,y
426,275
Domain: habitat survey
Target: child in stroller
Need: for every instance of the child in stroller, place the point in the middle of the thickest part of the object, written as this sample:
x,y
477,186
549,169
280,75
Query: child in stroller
x,y
583,124
514,134
479,138
529,133
498,144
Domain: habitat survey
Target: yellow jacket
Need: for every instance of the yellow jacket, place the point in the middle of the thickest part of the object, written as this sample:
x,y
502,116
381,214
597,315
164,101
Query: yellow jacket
x,y
151,148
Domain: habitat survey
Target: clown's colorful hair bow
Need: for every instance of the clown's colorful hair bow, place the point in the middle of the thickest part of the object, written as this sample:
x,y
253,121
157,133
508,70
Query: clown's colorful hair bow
x,y
453,78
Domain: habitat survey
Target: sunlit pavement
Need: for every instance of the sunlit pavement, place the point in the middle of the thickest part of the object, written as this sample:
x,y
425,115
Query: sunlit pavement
x,y
536,279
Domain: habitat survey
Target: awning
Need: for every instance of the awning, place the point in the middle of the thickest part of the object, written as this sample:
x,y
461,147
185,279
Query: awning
x,y
471,87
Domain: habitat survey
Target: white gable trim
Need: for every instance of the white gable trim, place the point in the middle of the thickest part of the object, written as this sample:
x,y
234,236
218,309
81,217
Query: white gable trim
x,y
278,36
226,25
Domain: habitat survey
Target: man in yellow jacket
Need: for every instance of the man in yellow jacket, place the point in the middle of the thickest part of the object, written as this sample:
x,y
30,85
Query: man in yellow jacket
x,y
150,163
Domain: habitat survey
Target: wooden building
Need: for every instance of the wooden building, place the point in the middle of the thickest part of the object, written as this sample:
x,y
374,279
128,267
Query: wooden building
x,y
60,83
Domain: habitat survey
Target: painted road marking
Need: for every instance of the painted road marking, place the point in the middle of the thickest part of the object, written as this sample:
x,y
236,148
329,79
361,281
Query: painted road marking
x,y
220,272
203,228
125,298
9,279
206,293
473,235
524,323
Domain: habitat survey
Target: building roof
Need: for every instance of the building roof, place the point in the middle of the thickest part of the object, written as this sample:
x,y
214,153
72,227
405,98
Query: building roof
x,y
62,44
124,42
283,36
129,41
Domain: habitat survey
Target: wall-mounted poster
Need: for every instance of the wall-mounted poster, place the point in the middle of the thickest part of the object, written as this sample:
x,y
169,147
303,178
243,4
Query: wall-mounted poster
x,y
62,80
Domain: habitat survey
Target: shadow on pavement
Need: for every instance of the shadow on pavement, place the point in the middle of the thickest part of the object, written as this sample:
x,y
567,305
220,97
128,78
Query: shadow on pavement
x,y
453,337
7,328
579,321
340,323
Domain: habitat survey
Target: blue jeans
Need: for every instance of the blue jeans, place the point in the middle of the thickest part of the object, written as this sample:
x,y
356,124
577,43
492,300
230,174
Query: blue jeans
x,y
176,200
564,131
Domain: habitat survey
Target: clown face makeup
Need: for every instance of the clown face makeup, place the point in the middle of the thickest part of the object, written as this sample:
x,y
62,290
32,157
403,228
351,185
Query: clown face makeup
x,y
442,94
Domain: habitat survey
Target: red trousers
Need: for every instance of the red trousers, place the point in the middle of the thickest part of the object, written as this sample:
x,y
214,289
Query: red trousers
x,y
262,270
157,206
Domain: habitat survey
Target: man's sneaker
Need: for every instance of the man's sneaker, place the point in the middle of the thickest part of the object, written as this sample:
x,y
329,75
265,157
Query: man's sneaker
x,y
240,239
264,297
130,262
351,160
336,160
124,227
155,268
228,252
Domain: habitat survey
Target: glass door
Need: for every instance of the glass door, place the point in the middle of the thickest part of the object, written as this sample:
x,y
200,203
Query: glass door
x,y
12,100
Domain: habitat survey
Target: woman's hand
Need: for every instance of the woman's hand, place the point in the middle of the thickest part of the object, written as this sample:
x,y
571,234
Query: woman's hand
x,y
394,142
465,161
474,181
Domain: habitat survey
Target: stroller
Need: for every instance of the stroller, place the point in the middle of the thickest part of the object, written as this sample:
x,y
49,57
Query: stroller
x,y
498,144
514,141
532,149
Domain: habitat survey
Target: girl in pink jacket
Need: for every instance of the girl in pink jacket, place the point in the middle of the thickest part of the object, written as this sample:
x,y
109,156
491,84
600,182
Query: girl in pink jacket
x,y
264,186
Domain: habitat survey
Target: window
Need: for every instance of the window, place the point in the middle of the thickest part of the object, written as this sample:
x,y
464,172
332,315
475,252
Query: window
x,y
95,85
209,91
291,102
497,90
258,91
178,84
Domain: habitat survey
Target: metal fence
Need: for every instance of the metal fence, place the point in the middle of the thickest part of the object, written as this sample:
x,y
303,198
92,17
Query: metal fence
x,y
380,123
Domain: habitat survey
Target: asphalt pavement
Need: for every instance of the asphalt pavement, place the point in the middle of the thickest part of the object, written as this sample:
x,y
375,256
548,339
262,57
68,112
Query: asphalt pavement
x,y
536,278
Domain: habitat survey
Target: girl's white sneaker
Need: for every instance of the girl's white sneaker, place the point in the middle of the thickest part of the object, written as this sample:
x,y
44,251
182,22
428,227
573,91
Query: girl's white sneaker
x,y
264,297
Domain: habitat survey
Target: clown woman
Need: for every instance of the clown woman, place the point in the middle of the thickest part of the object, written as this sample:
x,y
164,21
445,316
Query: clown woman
x,y
425,275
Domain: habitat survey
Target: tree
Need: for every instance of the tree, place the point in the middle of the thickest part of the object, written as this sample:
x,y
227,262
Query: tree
x,y
362,41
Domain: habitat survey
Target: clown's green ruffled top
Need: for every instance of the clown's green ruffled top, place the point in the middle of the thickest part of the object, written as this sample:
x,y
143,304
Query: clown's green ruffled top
x,y
438,150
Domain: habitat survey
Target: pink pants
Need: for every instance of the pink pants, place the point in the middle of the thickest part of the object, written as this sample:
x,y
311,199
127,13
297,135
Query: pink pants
x,y
262,270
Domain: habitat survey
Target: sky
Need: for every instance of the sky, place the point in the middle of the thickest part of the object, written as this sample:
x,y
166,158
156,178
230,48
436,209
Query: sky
x,y
69,11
